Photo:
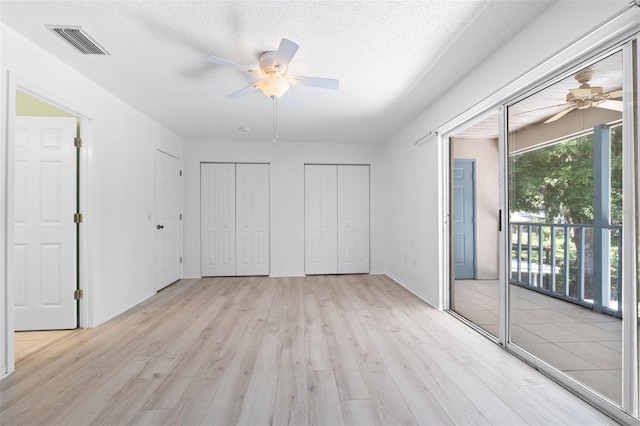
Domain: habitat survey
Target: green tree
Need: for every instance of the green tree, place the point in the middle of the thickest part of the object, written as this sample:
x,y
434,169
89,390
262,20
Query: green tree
x,y
558,180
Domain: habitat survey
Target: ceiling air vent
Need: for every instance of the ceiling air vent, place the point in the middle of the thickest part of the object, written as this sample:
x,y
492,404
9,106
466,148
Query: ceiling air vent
x,y
80,39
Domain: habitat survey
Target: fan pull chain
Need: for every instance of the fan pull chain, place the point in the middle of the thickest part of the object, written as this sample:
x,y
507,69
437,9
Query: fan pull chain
x,y
275,118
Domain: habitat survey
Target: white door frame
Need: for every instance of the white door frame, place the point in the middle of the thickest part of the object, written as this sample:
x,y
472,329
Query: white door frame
x,y
15,83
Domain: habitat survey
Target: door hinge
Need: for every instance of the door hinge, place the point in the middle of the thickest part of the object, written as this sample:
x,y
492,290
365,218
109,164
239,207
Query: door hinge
x,y
180,216
181,259
180,172
78,294
77,142
77,218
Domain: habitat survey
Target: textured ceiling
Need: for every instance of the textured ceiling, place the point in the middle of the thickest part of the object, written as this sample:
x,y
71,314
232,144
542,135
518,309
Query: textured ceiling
x,y
393,59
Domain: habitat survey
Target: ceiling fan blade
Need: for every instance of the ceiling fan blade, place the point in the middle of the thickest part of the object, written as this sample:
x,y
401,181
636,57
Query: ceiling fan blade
x,y
286,52
323,83
560,114
228,63
541,108
614,94
581,93
240,93
610,104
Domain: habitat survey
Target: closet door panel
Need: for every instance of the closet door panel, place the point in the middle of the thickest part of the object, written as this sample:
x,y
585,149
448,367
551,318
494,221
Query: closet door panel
x,y
252,219
217,218
353,219
320,219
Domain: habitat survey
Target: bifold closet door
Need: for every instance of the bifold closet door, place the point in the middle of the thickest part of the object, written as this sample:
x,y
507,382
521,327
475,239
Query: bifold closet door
x,y
353,219
320,207
218,219
336,219
252,219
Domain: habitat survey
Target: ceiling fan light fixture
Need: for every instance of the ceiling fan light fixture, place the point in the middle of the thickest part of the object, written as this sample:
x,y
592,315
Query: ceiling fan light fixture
x,y
274,86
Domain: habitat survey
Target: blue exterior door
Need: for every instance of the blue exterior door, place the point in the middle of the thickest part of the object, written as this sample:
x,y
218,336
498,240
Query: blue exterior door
x,y
464,226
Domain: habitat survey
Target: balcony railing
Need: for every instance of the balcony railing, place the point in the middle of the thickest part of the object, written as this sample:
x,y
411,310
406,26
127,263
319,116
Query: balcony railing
x,y
560,260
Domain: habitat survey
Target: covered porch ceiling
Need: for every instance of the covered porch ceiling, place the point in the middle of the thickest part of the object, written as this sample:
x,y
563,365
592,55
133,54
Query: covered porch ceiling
x,y
528,115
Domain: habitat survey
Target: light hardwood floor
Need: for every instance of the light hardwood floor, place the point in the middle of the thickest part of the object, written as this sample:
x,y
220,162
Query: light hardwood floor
x,y
355,349
28,343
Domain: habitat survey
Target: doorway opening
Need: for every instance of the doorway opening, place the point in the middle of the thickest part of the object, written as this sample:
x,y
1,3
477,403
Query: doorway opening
x,y
46,222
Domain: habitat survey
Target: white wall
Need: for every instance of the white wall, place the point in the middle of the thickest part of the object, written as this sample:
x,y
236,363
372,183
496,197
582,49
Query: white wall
x,y
287,195
415,221
121,145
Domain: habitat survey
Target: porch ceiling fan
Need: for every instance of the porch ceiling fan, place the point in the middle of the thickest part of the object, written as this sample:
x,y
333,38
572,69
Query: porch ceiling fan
x,y
587,96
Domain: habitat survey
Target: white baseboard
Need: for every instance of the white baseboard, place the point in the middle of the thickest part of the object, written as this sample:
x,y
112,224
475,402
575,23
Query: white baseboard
x,y
122,311
287,275
414,291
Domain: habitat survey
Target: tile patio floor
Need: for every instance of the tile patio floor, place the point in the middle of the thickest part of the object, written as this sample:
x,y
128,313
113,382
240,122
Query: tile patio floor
x,y
581,343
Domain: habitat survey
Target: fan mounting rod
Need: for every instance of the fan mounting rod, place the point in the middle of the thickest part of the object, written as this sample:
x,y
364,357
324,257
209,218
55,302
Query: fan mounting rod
x,y
584,76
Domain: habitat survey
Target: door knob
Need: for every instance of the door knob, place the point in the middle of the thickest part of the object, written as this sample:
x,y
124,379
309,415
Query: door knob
x,y
159,227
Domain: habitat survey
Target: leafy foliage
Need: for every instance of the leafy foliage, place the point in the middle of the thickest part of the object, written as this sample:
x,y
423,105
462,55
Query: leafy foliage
x,y
558,180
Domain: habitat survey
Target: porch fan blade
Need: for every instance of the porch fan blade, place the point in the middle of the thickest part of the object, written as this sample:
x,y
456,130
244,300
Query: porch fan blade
x,y
560,114
581,93
541,108
610,104
614,94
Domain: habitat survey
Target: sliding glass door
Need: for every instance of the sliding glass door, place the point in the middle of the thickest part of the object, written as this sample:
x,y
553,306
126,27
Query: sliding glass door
x,y
566,226
475,287
543,228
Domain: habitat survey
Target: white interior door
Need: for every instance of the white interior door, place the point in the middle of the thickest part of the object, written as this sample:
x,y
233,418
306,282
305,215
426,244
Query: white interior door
x,y
321,200
252,219
353,219
44,229
168,220
217,217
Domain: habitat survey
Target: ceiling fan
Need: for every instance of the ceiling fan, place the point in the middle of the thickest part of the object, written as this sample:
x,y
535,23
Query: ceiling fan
x,y
587,96
275,82
273,69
